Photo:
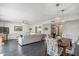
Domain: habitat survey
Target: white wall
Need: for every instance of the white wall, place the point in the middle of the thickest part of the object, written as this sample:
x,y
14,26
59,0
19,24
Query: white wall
x,y
33,28
14,34
49,28
71,29
43,26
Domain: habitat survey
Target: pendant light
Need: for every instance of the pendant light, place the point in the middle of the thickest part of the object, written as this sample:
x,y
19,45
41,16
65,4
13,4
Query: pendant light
x,y
57,5
62,15
57,14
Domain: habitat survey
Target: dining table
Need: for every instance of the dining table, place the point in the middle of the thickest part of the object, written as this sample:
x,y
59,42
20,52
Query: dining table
x,y
64,43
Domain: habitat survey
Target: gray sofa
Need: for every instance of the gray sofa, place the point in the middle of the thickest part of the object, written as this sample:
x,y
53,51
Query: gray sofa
x,y
30,39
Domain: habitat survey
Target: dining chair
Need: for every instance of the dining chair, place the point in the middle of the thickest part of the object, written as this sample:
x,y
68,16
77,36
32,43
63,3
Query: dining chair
x,y
52,47
71,49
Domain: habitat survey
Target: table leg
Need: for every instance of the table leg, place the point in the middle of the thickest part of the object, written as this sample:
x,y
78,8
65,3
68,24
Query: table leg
x,y
64,52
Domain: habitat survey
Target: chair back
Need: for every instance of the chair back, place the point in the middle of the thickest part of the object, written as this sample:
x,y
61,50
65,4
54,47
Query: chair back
x,y
52,46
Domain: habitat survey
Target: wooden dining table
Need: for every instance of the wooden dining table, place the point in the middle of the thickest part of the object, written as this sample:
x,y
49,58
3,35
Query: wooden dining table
x,y
64,44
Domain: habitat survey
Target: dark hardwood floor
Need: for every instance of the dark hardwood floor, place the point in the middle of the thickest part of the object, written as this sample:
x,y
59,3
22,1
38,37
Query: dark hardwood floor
x,y
12,48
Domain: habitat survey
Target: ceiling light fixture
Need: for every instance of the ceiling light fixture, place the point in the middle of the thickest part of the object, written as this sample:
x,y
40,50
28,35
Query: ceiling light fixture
x,y
57,5
57,14
62,15
57,19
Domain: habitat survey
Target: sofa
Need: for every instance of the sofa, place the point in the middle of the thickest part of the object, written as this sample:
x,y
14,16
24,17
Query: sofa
x,y
31,38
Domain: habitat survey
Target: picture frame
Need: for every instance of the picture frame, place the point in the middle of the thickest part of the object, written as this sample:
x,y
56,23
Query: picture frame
x,y
45,28
18,28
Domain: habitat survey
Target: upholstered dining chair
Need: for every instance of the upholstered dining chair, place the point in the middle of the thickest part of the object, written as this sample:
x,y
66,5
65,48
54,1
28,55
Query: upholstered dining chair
x,y
71,49
52,47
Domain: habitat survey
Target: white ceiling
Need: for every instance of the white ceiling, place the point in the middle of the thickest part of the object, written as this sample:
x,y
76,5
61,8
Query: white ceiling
x,y
33,13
